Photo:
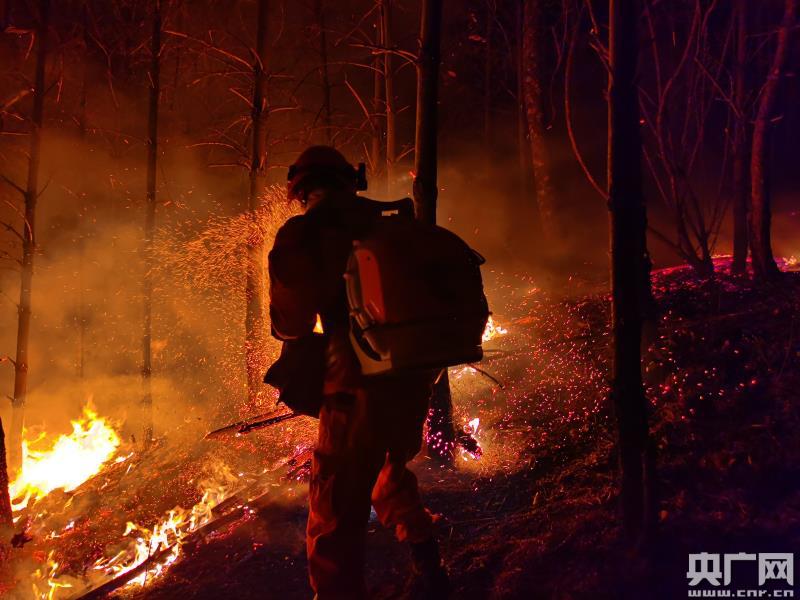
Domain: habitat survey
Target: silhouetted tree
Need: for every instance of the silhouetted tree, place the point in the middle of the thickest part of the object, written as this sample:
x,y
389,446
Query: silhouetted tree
x,y
154,76
764,266
441,434
629,266
389,99
325,80
523,145
488,79
254,319
31,195
740,188
686,66
379,181
5,501
533,35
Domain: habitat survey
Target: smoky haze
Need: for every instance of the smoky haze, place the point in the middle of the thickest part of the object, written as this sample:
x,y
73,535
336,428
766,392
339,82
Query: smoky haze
x,y
87,302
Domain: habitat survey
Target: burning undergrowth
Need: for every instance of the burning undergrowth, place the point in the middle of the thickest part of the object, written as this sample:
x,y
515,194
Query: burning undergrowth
x,y
90,504
135,514
541,391
547,364
721,375
141,508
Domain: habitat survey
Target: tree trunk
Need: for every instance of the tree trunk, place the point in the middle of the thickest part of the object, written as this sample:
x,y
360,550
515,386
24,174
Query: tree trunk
x,y
6,518
488,84
149,225
254,318
628,224
29,242
523,148
388,80
441,435
378,180
82,130
532,67
740,191
319,10
525,174
764,266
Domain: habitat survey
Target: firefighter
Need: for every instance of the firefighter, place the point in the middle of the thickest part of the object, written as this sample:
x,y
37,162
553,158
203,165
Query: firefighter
x,y
369,427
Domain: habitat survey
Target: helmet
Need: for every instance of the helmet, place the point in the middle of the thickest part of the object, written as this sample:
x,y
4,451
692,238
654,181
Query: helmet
x,y
326,166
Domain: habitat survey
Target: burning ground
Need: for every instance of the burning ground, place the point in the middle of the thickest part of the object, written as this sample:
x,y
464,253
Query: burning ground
x,y
532,516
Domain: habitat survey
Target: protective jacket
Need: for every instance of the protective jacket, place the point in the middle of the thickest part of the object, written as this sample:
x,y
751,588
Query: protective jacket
x,y
369,428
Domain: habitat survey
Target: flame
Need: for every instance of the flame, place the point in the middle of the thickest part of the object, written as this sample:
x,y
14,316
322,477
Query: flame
x,y
71,460
472,451
167,535
48,574
493,330
318,325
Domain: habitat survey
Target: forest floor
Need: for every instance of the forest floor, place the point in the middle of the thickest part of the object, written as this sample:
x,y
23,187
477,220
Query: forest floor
x,y
540,518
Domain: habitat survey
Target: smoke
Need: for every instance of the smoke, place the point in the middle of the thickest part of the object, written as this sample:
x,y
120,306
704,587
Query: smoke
x,y
87,306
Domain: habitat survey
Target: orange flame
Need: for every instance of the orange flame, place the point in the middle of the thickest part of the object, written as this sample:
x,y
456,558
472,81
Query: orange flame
x,y
47,574
169,534
70,460
493,330
318,325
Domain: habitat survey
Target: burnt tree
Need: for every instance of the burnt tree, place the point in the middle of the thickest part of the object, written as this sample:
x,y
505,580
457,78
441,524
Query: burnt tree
x,y
254,317
389,99
488,77
325,79
378,129
441,435
740,188
764,266
6,518
629,268
523,145
149,224
533,36
31,195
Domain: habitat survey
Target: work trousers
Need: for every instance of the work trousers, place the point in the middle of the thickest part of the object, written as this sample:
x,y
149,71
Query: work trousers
x,y
365,440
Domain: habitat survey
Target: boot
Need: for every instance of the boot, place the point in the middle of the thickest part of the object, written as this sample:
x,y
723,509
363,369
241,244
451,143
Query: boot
x,y
430,580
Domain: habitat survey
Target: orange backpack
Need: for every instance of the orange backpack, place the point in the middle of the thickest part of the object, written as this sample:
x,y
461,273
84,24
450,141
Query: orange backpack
x,y
416,299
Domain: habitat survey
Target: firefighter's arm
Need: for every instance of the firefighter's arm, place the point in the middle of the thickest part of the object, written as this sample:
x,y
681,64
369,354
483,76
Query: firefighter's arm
x,y
293,277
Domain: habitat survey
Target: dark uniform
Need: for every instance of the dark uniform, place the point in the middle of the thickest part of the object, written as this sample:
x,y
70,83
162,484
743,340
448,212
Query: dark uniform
x,y
369,428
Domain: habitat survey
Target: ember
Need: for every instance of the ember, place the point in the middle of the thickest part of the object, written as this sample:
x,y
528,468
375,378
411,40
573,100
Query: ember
x,y
187,187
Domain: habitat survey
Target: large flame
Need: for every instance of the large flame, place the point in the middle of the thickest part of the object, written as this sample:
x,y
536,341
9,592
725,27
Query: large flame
x,y
67,463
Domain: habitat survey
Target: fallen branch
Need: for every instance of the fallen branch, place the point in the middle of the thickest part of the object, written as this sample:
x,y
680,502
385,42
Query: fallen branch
x,y
102,590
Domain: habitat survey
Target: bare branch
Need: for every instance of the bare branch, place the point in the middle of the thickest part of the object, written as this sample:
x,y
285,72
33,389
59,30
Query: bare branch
x,y
12,229
237,59
376,50
12,184
240,95
568,114
360,103
726,97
